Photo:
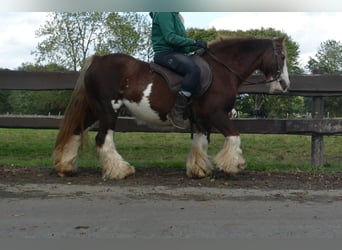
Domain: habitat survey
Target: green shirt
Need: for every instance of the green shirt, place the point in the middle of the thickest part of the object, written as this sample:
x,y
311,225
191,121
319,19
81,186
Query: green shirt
x,y
169,34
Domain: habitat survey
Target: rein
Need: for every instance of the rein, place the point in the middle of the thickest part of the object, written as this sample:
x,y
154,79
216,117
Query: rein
x,y
237,74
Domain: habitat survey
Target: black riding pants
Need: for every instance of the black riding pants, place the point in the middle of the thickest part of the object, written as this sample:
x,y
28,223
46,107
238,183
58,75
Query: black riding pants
x,y
183,65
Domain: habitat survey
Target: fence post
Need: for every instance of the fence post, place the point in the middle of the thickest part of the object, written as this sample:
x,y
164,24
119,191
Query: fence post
x,y
317,142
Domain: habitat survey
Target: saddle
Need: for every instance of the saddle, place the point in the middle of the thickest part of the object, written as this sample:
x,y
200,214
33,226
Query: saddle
x,y
174,80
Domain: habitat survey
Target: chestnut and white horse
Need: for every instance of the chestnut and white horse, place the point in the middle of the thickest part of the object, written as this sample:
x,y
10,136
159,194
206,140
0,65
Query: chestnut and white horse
x,y
108,83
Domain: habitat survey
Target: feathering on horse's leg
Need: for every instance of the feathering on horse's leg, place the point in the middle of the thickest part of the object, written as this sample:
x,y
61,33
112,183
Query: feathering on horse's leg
x,y
114,166
198,164
230,159
71,131
65,157
65,154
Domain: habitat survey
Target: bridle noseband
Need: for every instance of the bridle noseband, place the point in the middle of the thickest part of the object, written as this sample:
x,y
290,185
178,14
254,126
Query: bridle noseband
x,y
276,50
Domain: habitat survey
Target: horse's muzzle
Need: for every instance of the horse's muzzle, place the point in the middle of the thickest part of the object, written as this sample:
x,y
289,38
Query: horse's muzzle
x,y
279,86
284,85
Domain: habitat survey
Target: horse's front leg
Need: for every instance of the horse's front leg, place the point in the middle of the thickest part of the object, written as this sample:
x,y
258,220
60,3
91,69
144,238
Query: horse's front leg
x,y
114,166
229,159
198,164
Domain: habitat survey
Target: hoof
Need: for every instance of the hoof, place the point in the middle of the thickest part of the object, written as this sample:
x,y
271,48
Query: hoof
x,y
67,174
113,173
198,173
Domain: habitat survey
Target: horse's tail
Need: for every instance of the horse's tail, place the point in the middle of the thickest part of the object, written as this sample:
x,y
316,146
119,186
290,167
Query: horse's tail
x,y
76,111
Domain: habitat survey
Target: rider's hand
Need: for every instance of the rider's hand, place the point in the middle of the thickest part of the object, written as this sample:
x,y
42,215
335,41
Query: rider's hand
x,y
201,44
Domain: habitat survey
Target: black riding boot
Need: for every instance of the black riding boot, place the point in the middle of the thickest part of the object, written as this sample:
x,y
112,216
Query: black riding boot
x,y
176,115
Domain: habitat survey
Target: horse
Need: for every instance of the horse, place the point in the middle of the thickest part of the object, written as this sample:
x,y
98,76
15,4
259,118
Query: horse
x,y
109,82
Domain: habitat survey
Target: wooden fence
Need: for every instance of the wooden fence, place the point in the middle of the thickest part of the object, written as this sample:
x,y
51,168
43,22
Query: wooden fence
x,y
316,87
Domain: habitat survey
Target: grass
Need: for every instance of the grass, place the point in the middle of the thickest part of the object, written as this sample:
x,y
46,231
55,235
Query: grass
x,y
25,147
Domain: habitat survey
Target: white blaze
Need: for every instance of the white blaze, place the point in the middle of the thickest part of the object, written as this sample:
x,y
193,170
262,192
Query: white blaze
x,y
285,75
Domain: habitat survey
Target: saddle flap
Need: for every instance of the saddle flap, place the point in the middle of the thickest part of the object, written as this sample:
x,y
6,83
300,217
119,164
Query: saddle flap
x,y
174,80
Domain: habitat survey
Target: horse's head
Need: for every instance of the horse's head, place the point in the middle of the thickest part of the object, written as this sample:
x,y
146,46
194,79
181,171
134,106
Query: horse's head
x,y
275,68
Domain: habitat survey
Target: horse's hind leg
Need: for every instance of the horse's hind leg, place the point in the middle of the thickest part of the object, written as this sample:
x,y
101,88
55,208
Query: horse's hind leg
x,y
198,164
65,156
114,166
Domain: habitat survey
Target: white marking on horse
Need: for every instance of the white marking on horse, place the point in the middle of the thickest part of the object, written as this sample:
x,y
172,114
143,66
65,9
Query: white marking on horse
x,y
116,104
198,164
143,111
275,86
67,157
285,75
114,166
230,159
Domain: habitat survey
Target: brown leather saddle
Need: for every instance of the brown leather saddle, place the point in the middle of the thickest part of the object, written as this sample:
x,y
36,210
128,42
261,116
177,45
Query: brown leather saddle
x,y
174,80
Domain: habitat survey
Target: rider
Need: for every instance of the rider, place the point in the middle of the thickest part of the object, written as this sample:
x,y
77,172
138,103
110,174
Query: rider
x,y
172,47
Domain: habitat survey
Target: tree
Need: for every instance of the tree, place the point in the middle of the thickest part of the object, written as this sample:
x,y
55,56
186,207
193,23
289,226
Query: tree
x,y
68,38
127,33
203,34
328,58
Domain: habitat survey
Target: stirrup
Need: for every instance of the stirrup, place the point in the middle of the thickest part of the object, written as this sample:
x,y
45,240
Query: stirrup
x,y
180,124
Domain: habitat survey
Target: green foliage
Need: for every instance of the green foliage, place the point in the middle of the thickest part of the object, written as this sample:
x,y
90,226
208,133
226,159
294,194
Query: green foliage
x,y
35,67
282,106
37,102
4,102
68,38
328,58
203,34
127,33
332,105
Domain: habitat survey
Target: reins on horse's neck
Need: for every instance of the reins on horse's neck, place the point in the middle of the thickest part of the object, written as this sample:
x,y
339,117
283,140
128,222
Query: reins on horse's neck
x,y
237,74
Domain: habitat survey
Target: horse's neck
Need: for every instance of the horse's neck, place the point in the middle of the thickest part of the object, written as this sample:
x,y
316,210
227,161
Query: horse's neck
x,y
244,58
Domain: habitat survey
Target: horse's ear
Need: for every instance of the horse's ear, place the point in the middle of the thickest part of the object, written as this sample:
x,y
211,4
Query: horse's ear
x,y
281,38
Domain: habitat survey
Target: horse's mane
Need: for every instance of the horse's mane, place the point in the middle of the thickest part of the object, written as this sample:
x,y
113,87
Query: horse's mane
x,y
225,40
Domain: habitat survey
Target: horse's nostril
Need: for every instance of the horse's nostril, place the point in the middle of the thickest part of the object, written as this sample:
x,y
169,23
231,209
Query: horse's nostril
x,y
283,85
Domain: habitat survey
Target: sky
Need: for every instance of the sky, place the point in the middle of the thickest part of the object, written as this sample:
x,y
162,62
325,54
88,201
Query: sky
x,y
308,29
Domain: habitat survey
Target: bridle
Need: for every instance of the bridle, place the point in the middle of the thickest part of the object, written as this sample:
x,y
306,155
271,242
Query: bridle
x,y
276,49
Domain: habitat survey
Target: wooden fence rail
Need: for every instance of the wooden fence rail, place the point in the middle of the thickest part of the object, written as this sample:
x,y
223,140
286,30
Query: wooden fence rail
x,y
315,86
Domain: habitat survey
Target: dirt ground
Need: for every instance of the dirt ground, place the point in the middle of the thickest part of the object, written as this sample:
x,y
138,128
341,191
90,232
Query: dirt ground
x,y
177,178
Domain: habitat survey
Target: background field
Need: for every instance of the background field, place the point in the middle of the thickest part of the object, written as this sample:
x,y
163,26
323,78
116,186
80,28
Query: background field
x,y
26,147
